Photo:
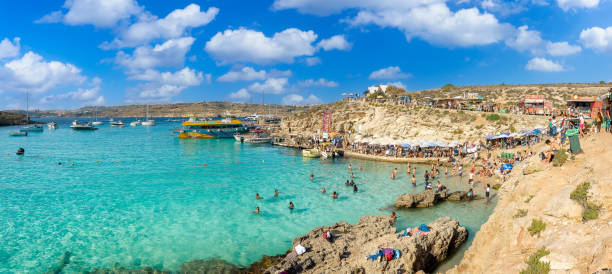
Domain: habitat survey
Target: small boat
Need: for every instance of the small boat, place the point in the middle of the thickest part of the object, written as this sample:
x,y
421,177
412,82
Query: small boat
x,y
18,133
52,125
324,155
97,123
148,121
117,123
135,123
254,137
311,153
82,126
32,128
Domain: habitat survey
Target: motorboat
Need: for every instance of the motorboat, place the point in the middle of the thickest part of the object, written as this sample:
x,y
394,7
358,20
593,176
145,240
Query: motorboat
x,y
18,133
311,153
32,128
97,123
76,125
52,125
117,123
135,123
254,137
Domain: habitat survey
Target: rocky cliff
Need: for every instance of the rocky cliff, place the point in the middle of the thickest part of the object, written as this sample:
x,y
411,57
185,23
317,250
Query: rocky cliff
x,y
352,243
562,211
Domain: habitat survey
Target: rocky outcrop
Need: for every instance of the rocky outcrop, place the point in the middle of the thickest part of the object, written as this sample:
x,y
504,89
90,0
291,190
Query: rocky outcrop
x,y
427,198
457,196
350,245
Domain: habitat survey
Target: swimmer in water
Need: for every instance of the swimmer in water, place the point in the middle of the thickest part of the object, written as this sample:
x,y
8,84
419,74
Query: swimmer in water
x,y
322,190
352,183
393,174
256,211
347,183
276,193
355,188
291,205
350,167
413,181
311,176
393,217
334,195
360,167
257,197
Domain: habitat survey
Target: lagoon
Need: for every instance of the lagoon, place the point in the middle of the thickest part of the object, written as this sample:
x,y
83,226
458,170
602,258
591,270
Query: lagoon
x,y
140,197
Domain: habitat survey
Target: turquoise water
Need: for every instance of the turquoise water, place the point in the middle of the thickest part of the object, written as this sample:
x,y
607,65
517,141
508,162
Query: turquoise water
x,y
138,196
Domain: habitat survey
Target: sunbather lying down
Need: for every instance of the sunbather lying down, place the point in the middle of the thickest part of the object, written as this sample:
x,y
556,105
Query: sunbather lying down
x,y
419,230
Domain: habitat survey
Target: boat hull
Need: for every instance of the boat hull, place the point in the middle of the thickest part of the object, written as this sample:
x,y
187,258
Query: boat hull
x,y
18,134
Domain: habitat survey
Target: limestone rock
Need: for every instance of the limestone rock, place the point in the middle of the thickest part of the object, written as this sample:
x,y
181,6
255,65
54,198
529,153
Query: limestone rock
x,y
208,266
352,243
457,196
427,198
561,206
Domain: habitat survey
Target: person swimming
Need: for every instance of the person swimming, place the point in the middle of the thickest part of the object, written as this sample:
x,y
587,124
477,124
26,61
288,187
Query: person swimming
x,y
350,167
352,183
322,190
413,180
347,183
311,176
393,217
291,205
334,195
393,173
355,188
257,197
276,193
256,211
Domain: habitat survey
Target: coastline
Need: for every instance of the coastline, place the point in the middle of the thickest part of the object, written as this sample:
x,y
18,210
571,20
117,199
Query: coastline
x,y
378,158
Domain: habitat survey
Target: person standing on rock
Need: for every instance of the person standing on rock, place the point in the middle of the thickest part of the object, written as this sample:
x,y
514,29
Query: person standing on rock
x,y
471,179
487,192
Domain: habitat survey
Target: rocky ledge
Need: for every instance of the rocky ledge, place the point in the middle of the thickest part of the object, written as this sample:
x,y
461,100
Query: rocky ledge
x,y
429,198
351,244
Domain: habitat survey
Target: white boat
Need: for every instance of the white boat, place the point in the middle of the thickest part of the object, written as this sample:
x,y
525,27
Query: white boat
x,y
97,123
324,155
52,125
253,139
79,126
117,123
135,123
148,122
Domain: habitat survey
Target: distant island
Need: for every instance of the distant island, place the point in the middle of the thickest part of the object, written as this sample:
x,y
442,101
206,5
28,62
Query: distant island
x,y
12,119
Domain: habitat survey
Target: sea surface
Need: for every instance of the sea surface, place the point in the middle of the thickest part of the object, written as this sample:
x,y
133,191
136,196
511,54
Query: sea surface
x,y
139,197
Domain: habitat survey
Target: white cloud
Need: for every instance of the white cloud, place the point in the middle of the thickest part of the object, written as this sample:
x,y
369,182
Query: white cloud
x,y
321,82
295,99
89,96
241,95
270,86
183,77
392,72
31,73
312,61
526,39
326,7
169,54
545,65
275,73
174,25
597,38
244,45
106,13
335,42
9,49
561,49
397,84
243,74
570,4
162,86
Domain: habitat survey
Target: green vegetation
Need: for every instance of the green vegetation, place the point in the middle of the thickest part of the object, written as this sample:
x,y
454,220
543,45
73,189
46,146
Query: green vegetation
x,y
458,131
529,199
560,157
602,82
460,112
478,126
536,227
492,117
448,87
591,212
496,186
581,195
520,213
534,266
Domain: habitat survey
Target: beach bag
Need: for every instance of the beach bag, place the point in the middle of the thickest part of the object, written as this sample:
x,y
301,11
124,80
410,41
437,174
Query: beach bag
x,y
299,249
388,253
424,228
327,234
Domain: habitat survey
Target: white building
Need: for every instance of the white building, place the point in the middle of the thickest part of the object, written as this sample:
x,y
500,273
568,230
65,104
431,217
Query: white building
x,y
377,88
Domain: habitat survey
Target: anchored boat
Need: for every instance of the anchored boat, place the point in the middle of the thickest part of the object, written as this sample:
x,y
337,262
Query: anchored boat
x,y
82,126
18,133
32,128
194,129
311,153
254,137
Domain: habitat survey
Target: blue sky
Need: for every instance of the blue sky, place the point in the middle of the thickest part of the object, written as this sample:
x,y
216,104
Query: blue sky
x,y
68,54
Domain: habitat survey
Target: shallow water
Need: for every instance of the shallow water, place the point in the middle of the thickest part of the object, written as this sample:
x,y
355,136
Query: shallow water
x,y
138,197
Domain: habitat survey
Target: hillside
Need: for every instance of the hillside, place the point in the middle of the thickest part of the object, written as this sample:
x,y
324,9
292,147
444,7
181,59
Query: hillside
x,y
385,123
579,241
556,93
173,110
10,119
